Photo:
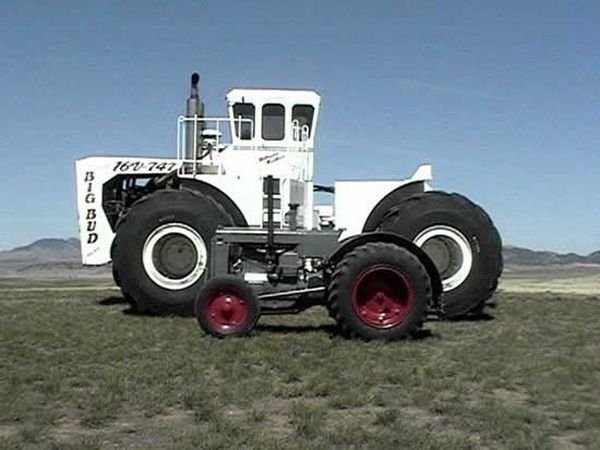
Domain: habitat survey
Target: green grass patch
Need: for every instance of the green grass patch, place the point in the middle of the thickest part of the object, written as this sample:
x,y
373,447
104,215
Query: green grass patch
x,y
78,371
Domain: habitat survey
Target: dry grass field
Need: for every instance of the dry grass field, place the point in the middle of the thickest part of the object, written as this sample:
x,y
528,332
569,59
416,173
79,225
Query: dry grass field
x,y
79,370
574,279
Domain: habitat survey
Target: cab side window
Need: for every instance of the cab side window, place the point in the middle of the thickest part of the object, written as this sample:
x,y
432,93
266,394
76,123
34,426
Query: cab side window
x,y
244,129
273,122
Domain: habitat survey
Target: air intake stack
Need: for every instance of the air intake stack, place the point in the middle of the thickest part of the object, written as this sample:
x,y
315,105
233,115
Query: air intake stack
x,y
194,110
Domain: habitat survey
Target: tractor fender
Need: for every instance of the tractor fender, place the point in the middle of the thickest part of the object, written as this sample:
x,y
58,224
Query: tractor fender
x,y
352,242
389,201
219,196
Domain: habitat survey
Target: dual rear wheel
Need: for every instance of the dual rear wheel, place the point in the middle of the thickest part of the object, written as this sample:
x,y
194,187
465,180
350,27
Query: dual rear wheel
x,y
460,239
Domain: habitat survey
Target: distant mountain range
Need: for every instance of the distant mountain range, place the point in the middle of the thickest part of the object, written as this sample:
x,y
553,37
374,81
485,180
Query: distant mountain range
x,y
44,250
526,257
53,257
47,258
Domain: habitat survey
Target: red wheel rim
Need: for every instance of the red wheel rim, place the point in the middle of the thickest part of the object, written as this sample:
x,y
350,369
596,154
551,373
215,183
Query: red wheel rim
x,y
382,297
227,312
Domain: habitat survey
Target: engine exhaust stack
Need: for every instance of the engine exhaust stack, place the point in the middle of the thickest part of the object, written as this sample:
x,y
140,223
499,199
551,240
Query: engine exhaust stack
x,y
194,109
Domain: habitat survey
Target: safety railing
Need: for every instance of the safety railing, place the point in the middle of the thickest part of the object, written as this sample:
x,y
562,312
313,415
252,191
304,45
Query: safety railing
x,y
201,139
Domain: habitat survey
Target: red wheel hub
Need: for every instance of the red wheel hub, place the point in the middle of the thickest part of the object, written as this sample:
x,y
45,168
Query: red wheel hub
x,y
227,312
382,297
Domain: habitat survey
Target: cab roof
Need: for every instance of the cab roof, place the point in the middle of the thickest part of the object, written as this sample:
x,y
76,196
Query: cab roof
x,y
269,95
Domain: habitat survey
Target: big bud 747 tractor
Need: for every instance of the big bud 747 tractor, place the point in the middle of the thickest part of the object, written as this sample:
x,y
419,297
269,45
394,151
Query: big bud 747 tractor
x,y
231,230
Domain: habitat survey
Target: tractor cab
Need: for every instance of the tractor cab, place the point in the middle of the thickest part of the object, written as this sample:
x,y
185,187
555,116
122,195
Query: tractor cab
x,y
273,118
258,119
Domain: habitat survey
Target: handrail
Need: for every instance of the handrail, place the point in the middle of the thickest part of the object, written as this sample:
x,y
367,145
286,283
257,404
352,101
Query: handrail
x,y
198,125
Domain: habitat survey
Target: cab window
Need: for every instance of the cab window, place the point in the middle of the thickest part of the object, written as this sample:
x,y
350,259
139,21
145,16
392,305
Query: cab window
x,y
273,122
244,129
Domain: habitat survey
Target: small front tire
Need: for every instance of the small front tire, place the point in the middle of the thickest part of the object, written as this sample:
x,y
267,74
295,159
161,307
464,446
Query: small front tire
x,y
227,306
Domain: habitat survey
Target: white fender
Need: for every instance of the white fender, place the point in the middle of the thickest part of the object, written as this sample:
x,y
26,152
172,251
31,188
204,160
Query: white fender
x,y
354,200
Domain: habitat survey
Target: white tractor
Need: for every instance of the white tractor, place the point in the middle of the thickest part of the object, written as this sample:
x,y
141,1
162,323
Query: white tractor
x,y
159,220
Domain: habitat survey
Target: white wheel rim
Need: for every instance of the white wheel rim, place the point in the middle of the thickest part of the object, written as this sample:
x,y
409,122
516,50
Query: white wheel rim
x,y
450,251
194,258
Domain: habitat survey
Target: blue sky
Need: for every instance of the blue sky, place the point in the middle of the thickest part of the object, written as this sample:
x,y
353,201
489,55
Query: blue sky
x,y
502,97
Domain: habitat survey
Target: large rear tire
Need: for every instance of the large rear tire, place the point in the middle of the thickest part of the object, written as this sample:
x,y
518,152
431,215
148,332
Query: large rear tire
x,y
162,249
462,241
117,280
379,291
115,274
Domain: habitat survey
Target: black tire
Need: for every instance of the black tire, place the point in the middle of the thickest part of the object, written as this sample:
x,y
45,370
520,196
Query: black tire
x,y
227,306
195,212
115,274
379,291
128,298
465,293
135,307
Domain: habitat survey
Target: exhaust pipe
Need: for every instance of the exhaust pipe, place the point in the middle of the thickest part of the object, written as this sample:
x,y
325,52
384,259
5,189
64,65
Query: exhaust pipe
x,y
194,108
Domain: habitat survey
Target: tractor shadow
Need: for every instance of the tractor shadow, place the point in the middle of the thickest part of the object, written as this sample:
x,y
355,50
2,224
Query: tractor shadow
x,y
424,333
129,310
113,300
482,314
329,329
475,317
118,300
332,331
